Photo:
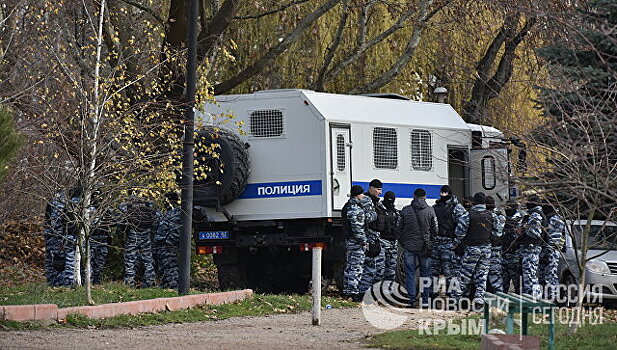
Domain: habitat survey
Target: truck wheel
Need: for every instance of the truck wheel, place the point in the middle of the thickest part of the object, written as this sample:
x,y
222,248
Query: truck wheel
x,y
228,171
325,283
231,277
338,275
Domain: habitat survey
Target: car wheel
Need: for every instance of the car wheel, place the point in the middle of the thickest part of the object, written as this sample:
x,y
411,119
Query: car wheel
x,y
567,292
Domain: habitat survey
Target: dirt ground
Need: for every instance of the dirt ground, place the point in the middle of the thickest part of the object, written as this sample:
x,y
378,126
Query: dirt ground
x,y
340,329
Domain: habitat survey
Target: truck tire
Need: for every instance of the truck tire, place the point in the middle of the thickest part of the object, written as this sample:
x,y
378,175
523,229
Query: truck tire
x,y
228,173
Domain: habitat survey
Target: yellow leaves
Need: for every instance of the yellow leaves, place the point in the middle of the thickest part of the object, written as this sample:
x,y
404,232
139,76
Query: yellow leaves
x,y
227,54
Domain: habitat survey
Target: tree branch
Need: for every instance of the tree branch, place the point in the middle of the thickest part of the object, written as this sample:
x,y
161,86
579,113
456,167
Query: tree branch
x,y
318,85
262,62
506,66
210,35
358,51
486,88
146,10
396,68
267,13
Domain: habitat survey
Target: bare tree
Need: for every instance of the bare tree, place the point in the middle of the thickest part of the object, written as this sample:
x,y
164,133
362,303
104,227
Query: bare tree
x,y
91,133
576,146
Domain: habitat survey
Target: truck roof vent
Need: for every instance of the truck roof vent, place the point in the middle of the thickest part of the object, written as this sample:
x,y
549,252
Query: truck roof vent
x,y
267,123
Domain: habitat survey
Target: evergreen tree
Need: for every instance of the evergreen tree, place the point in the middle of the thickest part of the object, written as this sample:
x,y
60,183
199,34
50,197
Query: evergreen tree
x,y
585,64
9,139
580,133
578,141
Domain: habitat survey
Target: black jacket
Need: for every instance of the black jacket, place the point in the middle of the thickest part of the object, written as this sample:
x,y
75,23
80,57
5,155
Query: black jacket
x,y
417,225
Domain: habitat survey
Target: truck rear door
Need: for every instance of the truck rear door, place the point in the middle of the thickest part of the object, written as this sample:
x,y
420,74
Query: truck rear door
x,y
340,155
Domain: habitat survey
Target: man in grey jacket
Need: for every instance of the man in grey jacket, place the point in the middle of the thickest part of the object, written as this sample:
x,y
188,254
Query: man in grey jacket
x,y
418,224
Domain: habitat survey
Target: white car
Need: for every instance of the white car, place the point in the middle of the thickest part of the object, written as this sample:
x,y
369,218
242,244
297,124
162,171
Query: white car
x,y
601,266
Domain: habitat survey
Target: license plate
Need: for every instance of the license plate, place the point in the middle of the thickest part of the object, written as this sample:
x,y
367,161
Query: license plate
x,y
214,235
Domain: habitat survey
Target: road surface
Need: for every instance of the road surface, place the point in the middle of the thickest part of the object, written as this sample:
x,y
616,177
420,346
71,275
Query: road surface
x,y
340,329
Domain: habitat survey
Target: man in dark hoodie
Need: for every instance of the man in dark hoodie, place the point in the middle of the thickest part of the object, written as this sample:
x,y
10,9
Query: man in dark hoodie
x,y
449,213
415,228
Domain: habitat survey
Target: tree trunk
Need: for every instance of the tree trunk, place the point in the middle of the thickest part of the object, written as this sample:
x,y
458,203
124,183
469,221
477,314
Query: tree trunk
x,y
88,271
582,263
487,87
77,268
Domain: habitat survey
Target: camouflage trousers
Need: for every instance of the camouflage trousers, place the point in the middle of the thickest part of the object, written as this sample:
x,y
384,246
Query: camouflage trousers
x,y
67,276
54,258
60,264
354,262
494,281
390,256
167,267
474,269
511,268
547,268
54,266
372,270
442,261
530,256
98,251
456,264
138,253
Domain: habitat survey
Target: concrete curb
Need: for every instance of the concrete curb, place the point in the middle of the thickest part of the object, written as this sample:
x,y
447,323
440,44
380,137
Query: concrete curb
x,y
38,312
509,342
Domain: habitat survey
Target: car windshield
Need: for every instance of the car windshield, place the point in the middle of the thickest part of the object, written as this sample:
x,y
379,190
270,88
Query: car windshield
x,y
600,237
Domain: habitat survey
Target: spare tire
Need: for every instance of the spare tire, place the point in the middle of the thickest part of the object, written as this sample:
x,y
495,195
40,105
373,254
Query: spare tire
x,y
228,170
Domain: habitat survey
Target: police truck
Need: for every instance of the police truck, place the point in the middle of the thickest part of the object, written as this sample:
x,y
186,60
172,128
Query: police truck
x,y
278,184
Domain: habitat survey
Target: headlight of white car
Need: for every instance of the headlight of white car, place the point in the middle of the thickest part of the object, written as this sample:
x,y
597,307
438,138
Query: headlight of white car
x,y
597,266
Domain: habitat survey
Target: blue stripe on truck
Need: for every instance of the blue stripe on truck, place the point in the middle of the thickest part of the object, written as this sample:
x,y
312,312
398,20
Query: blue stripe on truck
x,y
405,190
282,189
314,188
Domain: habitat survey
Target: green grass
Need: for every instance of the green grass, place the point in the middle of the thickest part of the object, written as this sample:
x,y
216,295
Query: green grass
x,y
259,305
112,292
601,336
